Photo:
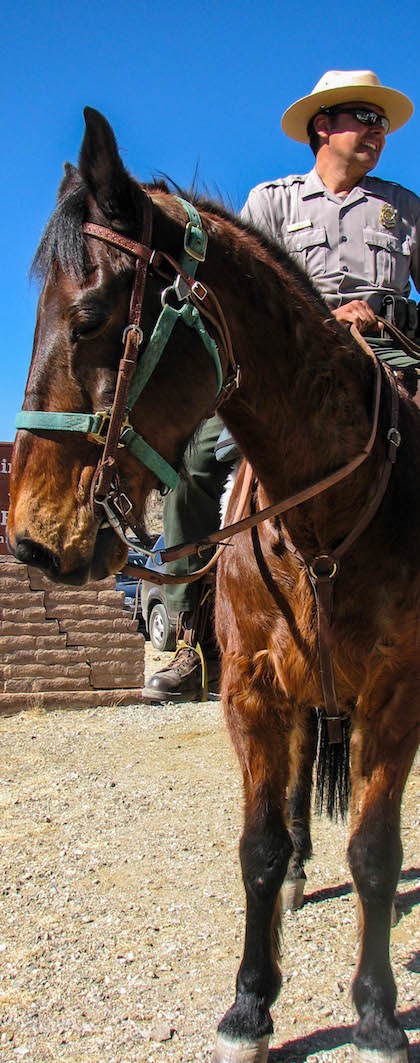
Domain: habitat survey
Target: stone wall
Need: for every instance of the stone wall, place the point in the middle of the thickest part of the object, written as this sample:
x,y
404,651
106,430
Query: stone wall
x,y
65,647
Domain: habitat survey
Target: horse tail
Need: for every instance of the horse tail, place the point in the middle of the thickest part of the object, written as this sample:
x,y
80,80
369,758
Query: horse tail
x,y
332,771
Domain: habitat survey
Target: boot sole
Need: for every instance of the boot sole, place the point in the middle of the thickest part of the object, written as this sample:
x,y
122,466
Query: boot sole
x,y
161,697
175,696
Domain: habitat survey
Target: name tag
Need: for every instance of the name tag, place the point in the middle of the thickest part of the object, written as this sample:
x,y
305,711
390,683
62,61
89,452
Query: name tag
x,y
298,225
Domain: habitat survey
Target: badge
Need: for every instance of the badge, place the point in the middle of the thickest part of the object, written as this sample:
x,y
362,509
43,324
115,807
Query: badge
x,y
388,216
298,225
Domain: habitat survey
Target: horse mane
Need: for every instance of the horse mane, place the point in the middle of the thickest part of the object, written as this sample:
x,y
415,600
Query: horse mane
x,y
62,240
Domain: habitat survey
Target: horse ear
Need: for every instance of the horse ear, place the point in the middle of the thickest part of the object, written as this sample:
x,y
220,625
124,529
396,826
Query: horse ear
x,y
103,171
70,178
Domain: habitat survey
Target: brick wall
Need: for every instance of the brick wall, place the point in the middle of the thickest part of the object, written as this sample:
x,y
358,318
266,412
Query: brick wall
x,y
65,647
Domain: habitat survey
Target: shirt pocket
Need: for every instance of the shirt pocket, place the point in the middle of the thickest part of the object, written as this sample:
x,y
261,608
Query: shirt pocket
x,y
387,259
309,248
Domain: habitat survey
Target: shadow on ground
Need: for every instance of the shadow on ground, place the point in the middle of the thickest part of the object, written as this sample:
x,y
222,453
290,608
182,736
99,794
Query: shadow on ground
x,y
328,1039
404,901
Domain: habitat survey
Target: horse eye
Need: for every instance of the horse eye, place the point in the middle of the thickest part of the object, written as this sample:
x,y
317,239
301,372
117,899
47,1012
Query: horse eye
x,y
85,329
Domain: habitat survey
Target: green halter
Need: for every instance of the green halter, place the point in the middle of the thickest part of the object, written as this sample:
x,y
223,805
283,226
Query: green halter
x,y
94,424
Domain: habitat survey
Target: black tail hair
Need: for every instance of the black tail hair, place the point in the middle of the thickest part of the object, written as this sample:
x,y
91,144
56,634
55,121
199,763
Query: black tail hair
x,y
332,771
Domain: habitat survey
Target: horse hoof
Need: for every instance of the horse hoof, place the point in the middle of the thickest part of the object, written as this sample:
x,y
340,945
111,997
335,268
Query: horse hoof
x,y
292,894
370,1055
227,1051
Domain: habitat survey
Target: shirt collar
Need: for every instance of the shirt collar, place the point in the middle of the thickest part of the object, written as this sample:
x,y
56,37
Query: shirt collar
x,y
314,186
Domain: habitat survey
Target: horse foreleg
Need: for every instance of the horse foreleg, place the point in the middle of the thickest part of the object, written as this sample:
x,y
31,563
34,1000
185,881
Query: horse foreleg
x,y
265,850
303,754
375,856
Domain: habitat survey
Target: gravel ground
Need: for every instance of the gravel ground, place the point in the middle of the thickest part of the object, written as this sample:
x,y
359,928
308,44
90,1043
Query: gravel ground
x,y
121,901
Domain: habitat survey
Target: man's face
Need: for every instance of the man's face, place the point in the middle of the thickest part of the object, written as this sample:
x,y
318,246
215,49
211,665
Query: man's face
x,y
351,141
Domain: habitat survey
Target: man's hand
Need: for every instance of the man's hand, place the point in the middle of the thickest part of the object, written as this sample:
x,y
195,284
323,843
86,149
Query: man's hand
x,y
357,313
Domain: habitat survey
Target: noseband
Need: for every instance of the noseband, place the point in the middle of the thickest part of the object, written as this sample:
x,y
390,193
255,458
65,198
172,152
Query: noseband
x,y
111,427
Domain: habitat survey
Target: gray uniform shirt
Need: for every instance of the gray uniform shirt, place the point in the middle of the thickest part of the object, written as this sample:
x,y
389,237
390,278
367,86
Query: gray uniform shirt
x,y
365,246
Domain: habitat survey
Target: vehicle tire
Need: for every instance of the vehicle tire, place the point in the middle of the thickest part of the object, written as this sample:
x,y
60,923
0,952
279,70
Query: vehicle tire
x,y
161,634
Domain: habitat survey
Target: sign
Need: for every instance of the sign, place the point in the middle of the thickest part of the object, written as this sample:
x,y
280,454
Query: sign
x,y
5,466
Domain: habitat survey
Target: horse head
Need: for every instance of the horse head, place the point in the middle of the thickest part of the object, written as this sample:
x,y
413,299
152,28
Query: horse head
x,y
83,311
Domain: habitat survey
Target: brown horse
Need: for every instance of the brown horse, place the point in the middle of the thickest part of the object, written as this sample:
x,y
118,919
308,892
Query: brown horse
x,y
302,409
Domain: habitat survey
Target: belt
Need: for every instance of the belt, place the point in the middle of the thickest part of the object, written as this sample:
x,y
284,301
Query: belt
x,y
404,313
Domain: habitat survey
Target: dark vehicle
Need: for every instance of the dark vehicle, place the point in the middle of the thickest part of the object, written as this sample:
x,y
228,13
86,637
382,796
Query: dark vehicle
x,y
159,621
130,586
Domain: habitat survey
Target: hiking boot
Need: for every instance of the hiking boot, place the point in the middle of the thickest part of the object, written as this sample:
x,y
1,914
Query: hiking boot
x,y
181,679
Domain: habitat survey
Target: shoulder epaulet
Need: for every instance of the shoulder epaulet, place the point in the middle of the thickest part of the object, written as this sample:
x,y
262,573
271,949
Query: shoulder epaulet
x,y
381,183
282,182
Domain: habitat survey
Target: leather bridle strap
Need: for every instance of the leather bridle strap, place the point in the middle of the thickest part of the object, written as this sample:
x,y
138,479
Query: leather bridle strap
x,y
106,470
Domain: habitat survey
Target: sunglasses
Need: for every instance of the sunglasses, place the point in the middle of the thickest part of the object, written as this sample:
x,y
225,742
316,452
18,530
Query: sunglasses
x,y
362,115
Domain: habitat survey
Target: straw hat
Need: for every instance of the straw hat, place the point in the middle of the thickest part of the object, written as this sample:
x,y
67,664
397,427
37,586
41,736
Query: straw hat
x,y
346,86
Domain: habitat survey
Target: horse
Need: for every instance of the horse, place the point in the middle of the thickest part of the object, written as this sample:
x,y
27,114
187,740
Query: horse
x,y
249,336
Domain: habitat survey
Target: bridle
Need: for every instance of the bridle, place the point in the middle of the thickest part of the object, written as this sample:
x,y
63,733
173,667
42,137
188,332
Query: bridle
x,y
111,428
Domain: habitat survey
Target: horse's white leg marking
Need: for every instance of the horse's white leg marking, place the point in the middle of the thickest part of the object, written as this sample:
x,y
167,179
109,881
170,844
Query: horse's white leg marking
x,y
227,1051
292,894
369,1055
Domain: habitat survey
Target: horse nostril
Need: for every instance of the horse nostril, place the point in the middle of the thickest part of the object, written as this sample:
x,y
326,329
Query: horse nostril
x,y
34,554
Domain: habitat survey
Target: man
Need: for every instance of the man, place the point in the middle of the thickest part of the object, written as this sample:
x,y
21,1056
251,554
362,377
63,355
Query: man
x,y
358,237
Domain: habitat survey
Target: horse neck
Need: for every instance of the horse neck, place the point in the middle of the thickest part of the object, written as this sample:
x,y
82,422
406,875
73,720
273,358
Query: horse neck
x,y
304,404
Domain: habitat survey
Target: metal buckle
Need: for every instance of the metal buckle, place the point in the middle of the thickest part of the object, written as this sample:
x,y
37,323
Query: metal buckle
x,y
199,290
125,424
198,255
133,328
123,504
394,437
181,288
100,435
322,575
164,298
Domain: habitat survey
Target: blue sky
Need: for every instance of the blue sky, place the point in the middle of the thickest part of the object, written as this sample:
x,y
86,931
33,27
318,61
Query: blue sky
x,y
186,86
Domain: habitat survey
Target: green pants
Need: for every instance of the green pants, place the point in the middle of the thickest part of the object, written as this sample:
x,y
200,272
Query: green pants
x,y
388,352
192,510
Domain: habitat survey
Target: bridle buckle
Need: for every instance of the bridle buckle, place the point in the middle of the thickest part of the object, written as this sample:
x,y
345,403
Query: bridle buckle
x,y
323,567
100,435
136,329
195,242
